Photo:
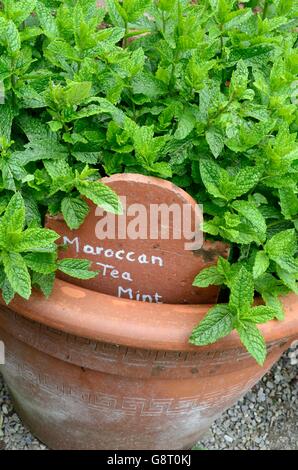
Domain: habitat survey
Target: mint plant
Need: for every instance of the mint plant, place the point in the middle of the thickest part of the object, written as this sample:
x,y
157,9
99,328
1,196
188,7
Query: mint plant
x,y
201,93
29,255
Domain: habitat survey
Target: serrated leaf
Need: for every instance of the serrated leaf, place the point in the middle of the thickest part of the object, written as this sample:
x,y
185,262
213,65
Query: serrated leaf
x,y
215,325
242,291
245,179
77,268
47,20
87,157
162,169
219,183
253,341
224,267
282,242
211,175
74,211
44,281
215,141
6,117
17,273
7,291
207,277
114,14
60,53
40,150
13,38
135,8
20,10
14,218
32,214
261,264
186,124
274,302
289,279
77,92
288,202
105,107
148,85
37,240
239,79
253,216
43,263
101,195
260,314
287,263
58,168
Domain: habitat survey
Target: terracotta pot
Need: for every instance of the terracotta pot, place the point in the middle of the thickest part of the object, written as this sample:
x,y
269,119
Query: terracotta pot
x,y
90,371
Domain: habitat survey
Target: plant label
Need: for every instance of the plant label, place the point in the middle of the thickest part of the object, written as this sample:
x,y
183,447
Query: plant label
x,y
150,253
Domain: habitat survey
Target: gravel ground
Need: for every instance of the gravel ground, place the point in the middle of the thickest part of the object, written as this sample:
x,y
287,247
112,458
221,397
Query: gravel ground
x,y
266,418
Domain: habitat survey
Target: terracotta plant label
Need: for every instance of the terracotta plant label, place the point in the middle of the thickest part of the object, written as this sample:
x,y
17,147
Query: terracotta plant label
x,y
152,252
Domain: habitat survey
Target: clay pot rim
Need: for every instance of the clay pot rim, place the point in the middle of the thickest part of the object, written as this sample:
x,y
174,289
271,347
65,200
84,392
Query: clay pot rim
x,y
100,317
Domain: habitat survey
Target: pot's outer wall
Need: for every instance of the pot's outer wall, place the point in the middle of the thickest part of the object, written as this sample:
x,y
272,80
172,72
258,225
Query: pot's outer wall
x,y
78,392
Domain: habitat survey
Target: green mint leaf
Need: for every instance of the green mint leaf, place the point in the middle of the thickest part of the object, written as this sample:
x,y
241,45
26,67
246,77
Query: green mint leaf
x,y
44,281
145,84
253,216
260,314
289,279
261,264
77,92
40,150
7,291
215,141
162,169
20,10
59,53
47,20
17,274
87,157
101,195
242,291
287,263
224,267
209,276
37,240
239,80
43,263
32,214
58,168
6,118
74,211
185,125
281,243
135,8
115,16
219,183
253,341
215,325
14,218
13,38
244,181
274,302
211,174
77,268
289,202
